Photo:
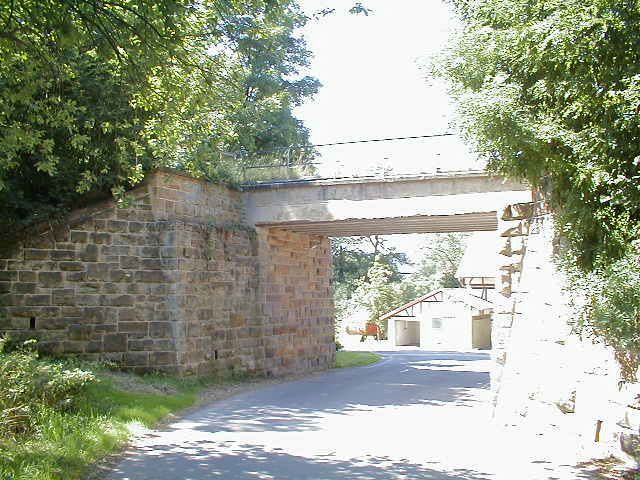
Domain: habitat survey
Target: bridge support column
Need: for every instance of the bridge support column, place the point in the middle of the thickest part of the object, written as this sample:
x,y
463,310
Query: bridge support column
x,y
295,298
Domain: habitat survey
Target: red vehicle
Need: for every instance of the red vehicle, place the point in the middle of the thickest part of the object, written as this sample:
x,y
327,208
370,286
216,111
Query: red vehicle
x,y
371,330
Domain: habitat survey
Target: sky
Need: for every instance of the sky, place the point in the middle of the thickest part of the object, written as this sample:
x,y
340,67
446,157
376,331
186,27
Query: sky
x,y
375,85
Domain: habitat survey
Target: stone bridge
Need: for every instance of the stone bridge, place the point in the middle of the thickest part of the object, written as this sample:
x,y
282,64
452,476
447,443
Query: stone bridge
x,y
193,277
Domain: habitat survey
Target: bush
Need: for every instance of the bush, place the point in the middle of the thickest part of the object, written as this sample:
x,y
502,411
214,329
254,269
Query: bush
x,y
28,385
607,304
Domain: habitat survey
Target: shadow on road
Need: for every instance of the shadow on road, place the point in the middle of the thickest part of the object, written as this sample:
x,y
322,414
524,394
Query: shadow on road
x,y
332,427
439,380
246,462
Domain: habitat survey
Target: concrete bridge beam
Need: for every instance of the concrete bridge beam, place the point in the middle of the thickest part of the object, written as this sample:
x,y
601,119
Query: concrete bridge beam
x,y
418,204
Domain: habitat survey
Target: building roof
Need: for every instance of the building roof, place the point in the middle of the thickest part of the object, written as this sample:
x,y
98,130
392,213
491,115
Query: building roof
x,y
441,295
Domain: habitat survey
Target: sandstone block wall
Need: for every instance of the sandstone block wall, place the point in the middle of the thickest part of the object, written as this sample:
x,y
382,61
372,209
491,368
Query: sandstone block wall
x,y
102,285
297,300
174,282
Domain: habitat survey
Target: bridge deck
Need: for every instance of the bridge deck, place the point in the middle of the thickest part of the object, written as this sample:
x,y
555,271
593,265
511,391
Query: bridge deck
x,y
443,202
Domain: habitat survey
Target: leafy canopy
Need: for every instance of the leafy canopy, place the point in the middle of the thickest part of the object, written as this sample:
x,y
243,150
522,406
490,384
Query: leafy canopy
x,y
550,92
95,93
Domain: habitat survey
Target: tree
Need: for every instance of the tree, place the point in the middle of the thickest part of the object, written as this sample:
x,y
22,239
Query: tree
x,y
441,255
93,94
550,92
353,260
377,293
353,256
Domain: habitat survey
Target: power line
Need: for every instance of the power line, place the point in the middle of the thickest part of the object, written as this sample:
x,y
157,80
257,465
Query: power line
x,y
370,140
351,142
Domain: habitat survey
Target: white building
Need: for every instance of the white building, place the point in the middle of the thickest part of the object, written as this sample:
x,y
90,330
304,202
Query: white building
x,y
444,319
453,318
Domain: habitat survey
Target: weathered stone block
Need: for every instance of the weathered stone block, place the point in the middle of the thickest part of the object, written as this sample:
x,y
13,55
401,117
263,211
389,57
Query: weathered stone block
x,y
121,300
160,329
117,226
163,358
133,327
100,238
129,262
87,300
80,332
64,296
75,276
119,276
150,252
136,359
98,271
74,347
72,266
90,253
58,255
72,311
51,323
94,346
79,237
115,342
152,264
35,300
136,227
9,276
33,254
151,276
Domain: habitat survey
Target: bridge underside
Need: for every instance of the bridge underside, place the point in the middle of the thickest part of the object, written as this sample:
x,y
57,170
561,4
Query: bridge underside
x,y
466,222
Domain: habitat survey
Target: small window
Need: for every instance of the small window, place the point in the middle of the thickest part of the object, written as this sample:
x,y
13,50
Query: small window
x,y
436,323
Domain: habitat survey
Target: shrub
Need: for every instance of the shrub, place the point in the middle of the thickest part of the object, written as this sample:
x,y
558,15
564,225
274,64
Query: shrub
x,y
607,305
28,385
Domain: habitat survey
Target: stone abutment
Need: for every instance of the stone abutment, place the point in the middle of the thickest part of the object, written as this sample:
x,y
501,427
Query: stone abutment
x,y
175,282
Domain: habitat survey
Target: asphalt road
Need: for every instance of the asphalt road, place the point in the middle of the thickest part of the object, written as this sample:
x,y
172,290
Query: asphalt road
x,y
415,415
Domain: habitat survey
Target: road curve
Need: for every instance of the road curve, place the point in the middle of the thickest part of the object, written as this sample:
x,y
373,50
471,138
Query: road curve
x,y
414,415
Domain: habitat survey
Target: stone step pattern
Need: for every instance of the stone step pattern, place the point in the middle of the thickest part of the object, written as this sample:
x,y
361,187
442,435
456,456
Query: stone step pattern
x,y
546,377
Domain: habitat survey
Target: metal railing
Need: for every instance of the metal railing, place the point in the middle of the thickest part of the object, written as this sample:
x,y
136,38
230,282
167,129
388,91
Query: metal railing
x,y
376,158
361,159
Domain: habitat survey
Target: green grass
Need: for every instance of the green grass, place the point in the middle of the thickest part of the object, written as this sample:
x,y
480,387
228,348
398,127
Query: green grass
x,y
66,442
355,359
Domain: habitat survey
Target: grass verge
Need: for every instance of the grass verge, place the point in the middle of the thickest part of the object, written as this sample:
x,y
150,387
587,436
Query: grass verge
x,y
63,442
355,359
